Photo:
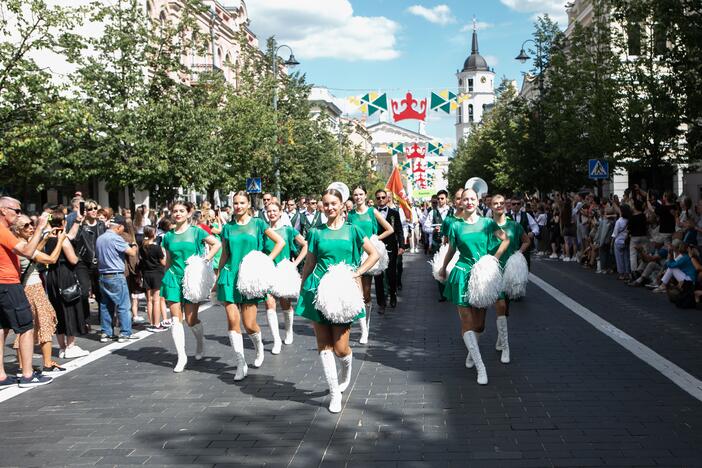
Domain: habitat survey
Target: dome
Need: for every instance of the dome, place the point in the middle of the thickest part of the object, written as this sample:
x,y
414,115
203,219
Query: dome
x,y
475,61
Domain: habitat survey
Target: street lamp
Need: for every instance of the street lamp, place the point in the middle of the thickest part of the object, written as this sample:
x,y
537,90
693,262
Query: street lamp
x,y
523,57
290,62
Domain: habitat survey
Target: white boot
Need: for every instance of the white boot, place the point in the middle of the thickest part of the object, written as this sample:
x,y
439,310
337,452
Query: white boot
x,y
469,359
470,338
178,334
365,324
289,314
237,342
273,324
199,333
502,333
258,346
329,366
345,373
498,344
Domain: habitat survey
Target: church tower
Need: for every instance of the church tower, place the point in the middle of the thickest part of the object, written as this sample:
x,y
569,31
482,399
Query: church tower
x,y
476,80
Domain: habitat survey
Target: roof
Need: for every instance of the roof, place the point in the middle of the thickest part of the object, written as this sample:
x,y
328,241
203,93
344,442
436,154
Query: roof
x,y
475,61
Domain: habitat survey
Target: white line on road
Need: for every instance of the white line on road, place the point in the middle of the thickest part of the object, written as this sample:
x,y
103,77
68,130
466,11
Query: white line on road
x,y
677,375
12,392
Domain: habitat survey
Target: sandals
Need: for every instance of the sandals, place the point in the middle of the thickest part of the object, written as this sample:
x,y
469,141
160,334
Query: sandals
x,y
54,367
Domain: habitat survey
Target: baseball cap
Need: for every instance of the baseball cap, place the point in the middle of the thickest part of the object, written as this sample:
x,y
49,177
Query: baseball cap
x,y
118,219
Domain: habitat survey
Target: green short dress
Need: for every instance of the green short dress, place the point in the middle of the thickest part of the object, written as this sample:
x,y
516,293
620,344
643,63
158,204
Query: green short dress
x,y
514,232
329,246
472,241
240,239
288,233
215,259
180,247
366,222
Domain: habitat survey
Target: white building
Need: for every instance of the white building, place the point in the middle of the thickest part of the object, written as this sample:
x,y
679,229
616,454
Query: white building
x,y
477,80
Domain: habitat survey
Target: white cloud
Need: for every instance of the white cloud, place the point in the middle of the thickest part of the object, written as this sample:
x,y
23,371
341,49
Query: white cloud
x,y
491,60
329,32
440,14
554,8
479,25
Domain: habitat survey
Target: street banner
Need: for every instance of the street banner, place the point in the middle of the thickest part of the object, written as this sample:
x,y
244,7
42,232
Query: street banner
x,y
399,195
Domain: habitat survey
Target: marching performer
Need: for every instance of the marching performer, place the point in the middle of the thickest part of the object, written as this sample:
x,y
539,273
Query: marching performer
x,y
367,219
518,241
291,237
435,218
333,243
181,243
240,236
474,237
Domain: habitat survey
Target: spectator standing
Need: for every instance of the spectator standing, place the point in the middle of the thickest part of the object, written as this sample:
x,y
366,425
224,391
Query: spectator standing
x,y
141,220
75,211
665,211
603,239
111,250
15,310
568,229
152,266
619,236
133,274
638,236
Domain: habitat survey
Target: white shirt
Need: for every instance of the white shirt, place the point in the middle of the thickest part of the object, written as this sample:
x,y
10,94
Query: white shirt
x,y
530,220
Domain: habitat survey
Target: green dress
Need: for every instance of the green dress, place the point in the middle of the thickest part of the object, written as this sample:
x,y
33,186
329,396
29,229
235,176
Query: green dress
x,y
472,241
514,233
288,233
330,247
366,222
240,239
180,247
215,259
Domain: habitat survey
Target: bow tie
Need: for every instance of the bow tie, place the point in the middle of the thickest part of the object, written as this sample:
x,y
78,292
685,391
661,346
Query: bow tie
x,y
383,209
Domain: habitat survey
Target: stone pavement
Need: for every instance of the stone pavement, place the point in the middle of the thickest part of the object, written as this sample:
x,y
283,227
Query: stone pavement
x,y
570,397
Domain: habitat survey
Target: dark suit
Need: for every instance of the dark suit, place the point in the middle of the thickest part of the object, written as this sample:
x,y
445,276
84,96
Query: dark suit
x,y
392,244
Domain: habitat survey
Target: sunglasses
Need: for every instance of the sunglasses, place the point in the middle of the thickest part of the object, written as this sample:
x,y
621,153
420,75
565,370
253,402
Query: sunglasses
x,y
92,208
16,210
26,225
380,198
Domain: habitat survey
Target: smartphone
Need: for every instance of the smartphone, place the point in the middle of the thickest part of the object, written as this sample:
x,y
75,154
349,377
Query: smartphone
x,y
82,208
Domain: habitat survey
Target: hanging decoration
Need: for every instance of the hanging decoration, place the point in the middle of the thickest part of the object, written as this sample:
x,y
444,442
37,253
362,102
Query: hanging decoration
x,y
374,102
436,148
415,151
411,107
405,109
444,101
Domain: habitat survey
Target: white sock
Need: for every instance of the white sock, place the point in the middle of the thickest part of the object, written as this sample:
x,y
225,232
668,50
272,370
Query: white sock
x,y
364,322
272,316
469,359
237,342
199,333
345,373
470,338
289,315
329,367
504,340
178,334
258,346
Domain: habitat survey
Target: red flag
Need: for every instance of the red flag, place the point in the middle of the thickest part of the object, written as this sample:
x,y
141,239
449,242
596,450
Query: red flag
x,y
399,195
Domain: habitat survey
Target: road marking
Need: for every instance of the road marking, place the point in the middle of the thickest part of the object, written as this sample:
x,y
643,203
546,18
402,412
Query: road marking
x,y
676,374
75,364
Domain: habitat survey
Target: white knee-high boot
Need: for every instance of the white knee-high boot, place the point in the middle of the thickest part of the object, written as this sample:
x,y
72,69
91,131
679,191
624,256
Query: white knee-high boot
x,y
272,316
178,334
329,367
289,314
365,323
237,342
199,333
258,346
469,359
471,340
345,373
504,341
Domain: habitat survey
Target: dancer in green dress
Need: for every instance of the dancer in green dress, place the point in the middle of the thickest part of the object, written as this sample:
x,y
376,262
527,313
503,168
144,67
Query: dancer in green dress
x,y
367,219
330,244
291,237
473,236
180,243
518,241
243,234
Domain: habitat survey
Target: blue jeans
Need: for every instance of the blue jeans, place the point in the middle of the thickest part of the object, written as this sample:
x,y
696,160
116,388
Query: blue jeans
x,y
115,295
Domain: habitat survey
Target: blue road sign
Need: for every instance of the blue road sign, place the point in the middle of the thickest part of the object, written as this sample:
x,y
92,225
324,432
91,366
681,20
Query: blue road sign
x,y
253,184
598,169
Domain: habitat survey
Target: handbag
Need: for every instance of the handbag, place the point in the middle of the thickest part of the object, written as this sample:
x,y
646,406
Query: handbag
x,y
71,293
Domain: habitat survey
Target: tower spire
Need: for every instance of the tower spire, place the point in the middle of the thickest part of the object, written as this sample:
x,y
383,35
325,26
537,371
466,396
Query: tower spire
x,y
474,46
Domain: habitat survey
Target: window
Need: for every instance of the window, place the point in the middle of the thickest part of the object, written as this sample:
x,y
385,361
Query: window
x,y
460,82
470,84
460,116
470,113
660,40
634,36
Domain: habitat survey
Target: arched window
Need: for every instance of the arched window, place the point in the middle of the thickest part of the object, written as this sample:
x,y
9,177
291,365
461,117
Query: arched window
x,y
219,57
470,113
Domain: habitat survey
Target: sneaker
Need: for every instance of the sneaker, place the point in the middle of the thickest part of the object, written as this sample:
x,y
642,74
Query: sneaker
x,y
75,351
53,368
156,328
62,354
660,289
652,285
125,338
10,381
554,256
561,257
138,320
166,323
36,380
104,338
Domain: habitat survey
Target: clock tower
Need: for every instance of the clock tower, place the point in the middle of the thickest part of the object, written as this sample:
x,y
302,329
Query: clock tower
x,y
477,81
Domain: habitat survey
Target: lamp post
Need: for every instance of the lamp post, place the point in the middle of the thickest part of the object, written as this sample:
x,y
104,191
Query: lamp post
x,y
523,57
290,62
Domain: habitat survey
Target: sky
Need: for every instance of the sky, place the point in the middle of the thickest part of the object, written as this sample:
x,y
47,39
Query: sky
x,y
395,46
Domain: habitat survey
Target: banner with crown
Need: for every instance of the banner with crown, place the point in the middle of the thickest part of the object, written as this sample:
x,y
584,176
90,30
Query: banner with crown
x,y
409,108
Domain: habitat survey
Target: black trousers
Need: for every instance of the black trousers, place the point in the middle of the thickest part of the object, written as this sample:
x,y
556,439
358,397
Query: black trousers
x,y
390,275
399,269
89,280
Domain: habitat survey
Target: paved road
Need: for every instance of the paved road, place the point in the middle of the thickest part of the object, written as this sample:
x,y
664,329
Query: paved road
x,y
570,397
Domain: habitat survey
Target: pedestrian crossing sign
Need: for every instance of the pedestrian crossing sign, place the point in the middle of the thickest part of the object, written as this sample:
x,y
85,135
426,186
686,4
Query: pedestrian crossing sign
x,y
253,184
598,169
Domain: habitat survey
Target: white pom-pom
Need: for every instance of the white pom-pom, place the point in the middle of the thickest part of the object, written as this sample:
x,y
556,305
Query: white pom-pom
x,y
485,283
287,280
198,279
339,297
383,260
515,276
438,260
256,275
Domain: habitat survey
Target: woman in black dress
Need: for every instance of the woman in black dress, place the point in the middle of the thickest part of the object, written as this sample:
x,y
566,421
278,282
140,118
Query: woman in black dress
x,y
61,276
152,265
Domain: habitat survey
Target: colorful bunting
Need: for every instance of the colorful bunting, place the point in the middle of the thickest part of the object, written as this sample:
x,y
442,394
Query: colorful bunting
x,y
374,102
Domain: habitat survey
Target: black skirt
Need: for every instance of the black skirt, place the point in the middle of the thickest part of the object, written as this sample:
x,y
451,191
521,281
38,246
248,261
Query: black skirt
x,y
152,279
70,317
